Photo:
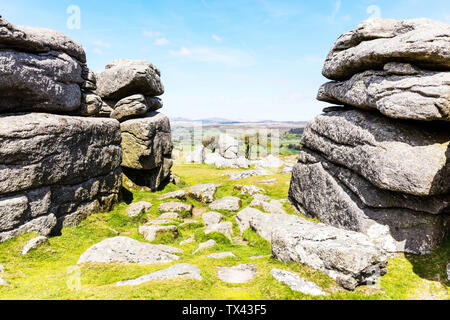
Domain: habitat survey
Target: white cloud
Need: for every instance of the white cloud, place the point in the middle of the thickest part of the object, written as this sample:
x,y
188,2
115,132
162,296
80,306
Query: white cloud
x,y
216,38
161,42
102,44
97,51
222,55
152,34
337,7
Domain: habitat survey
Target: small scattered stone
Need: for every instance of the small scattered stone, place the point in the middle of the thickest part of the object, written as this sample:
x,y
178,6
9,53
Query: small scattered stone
x,y
3,282
270,181
274,206
2,269
296,283
226,203
259,200
246,174
33,244
179,194
225,228
204,245
150,233
212,217
175,207
169,215
127,250
137,208
182,270
190,240
203,192
222,255
250,190
242,273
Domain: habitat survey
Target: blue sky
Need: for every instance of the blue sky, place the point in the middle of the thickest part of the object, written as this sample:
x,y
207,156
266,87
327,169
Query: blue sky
x,y
246,59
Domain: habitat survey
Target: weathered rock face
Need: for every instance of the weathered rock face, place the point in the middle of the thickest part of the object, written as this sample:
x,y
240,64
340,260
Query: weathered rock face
x,y
377,41
129,89
385,170
122,78
55,168
43,70
401,91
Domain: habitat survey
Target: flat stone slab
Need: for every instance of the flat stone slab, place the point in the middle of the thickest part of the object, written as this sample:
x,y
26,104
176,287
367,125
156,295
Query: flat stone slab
x,y
127,250
212,217
296,283
34,244
179,194
259,200
225,228
250,190
204,245
190,240
226,203
203,192
182,270
169,215
246,174
151,232
222,255
175,207
137,208
242,273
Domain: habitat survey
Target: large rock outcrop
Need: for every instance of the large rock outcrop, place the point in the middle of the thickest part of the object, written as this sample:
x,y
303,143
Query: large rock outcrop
x,y
43,70
129,89
54,169
380,163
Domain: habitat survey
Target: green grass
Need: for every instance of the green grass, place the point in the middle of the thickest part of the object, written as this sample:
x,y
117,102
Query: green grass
x,y
43,273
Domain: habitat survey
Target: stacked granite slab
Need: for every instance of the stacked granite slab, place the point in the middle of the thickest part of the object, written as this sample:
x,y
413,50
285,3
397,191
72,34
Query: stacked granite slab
x,y
129,89
380,162
56,166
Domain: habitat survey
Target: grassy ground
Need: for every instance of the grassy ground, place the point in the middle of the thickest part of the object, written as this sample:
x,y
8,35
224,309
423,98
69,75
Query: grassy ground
x,y
45,273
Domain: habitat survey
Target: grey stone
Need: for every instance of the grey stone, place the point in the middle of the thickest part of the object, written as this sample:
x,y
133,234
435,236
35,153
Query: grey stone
x,y
250,190
226,203
246,174
203,192
221,162
3,282
182,270
349,257
212,217
228,146
376,42
222,255
122,78
325,191
170,215
259,200
179,207
269,162
225,228
388,153
38,40
187,241
49,83
296,283
146,141
274,206
127,250
204,245
34,244
56,167
197,156
412,94
91,105
2,269
151,232
179,194
137,208
134,106
242,273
